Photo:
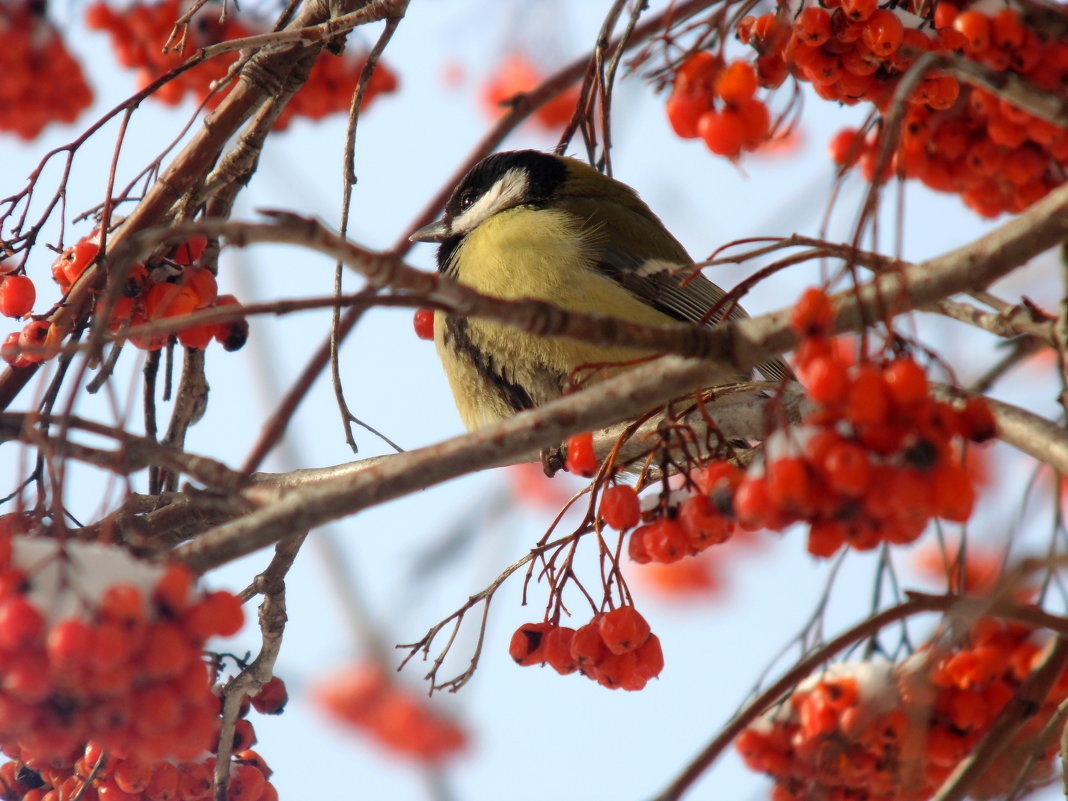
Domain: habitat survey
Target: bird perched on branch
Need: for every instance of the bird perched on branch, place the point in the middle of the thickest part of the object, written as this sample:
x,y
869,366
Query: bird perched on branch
x,y
527,224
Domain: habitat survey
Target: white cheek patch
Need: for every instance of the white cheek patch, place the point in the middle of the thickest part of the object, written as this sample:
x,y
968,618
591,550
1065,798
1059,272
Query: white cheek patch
x,y
508,191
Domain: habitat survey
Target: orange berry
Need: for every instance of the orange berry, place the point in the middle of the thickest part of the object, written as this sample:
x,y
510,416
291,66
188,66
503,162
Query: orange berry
x,y
163,786
857,10
424,323
623,629
123,603
845,147
620,507
813,25
847,469
636,549
21,624
703,523
172,590
868,401
527,646
944,14
737,83
906,382
218,614
557,649
271,698
789,485
17,295
581,457
975,27
752,502
756,123
953,494
697,74
684,109
976,420
825,538
189,252
883,32
68,643
664,540
246,783
813,315
722,131
587,646
827,381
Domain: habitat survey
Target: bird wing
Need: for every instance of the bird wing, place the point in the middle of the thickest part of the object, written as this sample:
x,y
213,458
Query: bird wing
x,y
652,267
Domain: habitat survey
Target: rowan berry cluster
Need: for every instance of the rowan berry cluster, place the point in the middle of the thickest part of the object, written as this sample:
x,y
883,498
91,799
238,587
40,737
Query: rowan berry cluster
x,y
955,137
363,697
173,287
682,523
138,33
42,81
685,522
873,461
516,76
99,775
117,660
717,102
616,649
880,731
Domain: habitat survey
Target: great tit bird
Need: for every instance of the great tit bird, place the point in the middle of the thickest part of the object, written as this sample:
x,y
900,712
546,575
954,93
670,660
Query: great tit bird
x,y
527,224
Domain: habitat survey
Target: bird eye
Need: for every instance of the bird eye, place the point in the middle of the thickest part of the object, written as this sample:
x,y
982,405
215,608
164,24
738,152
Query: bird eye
x,y
467,197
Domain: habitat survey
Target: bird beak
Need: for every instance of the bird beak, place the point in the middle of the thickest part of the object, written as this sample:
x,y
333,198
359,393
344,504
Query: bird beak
x,y
434,232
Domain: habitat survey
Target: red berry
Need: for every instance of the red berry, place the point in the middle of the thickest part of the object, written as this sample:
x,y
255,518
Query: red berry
x,y
33,336
813,25
68,643
189,252
684,109
813,315
636,549
203,284
581,458
869,400
664,541
246,783
527,646
883,32
587,647
123,603
623,629
17,295
846,147
857,10
826,381
424,323
847,469
976,421
975,27
620,507
737,83
703,523
21,624
723,131
172,589
944,14
906,382
557,649
272,697
10,350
